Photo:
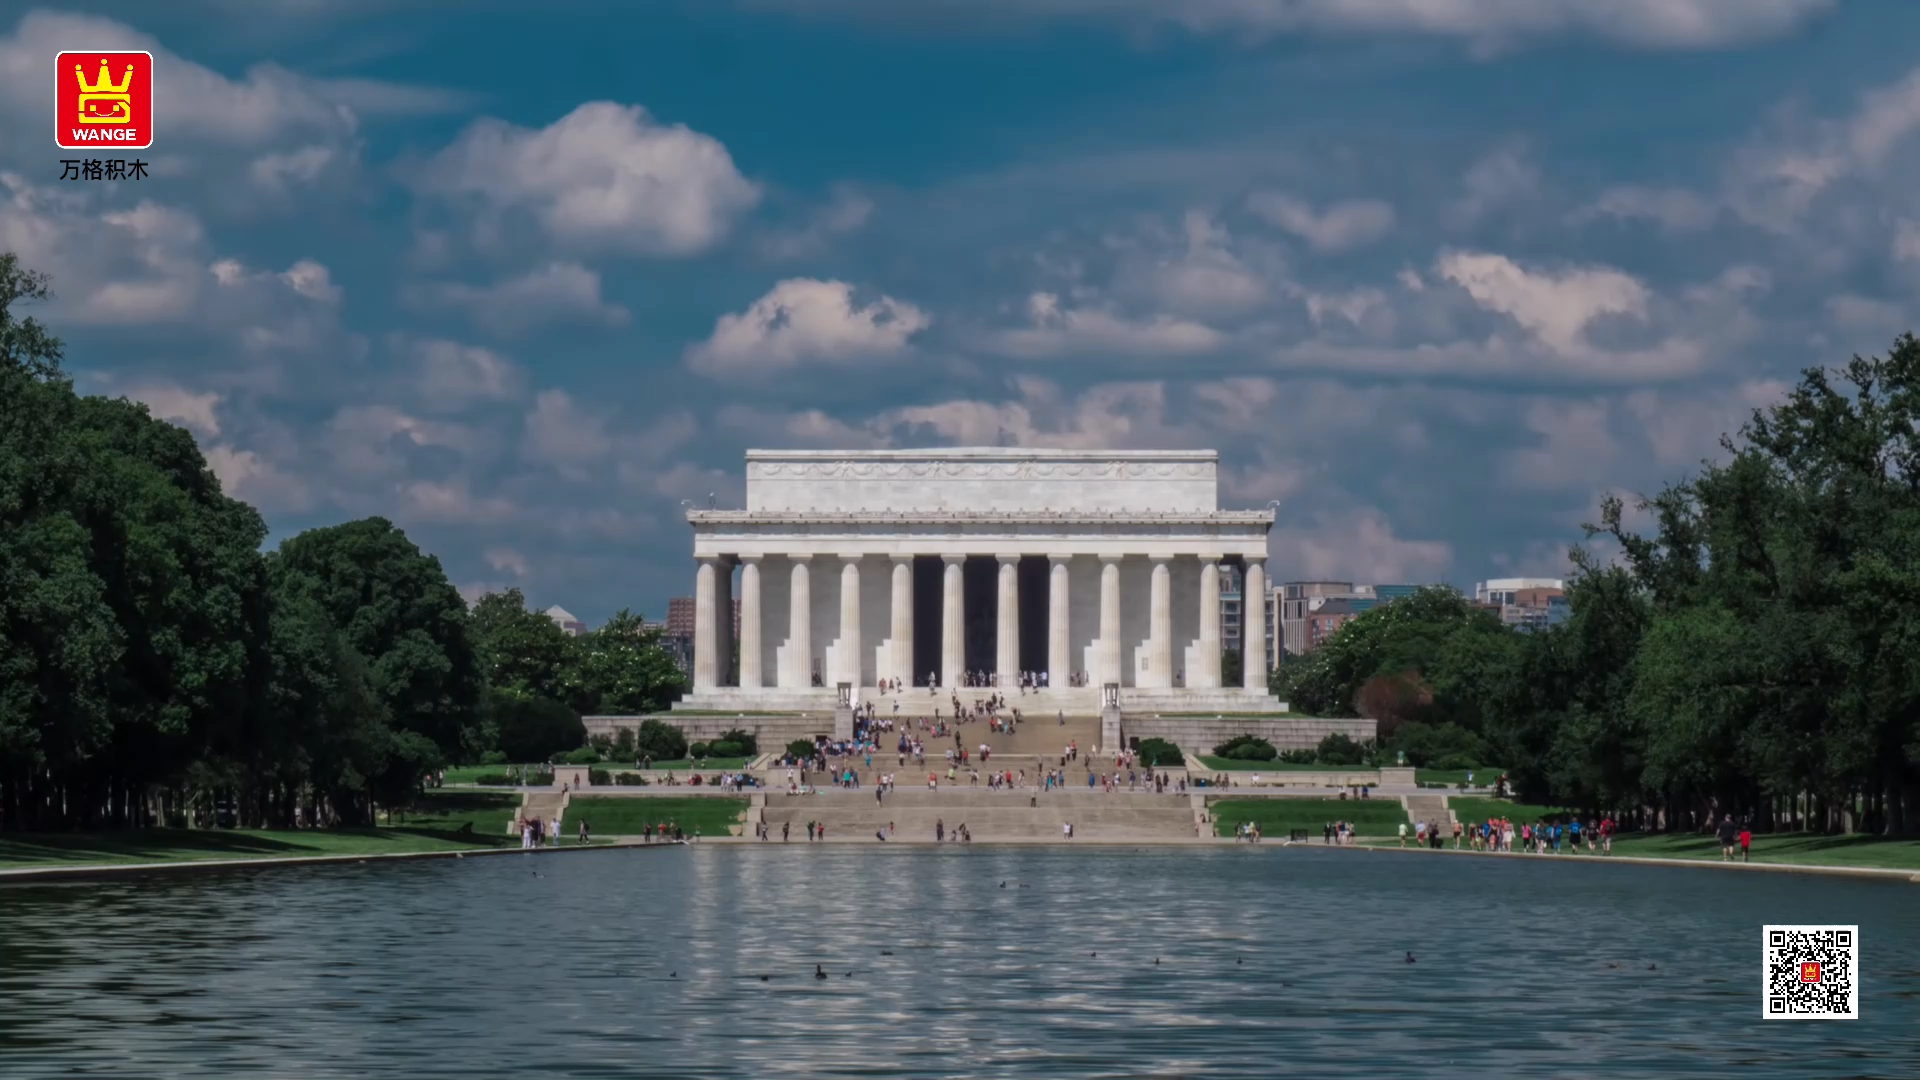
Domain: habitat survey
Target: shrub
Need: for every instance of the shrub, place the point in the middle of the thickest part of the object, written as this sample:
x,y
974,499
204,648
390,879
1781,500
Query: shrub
x,y
534,729
495,779
800,749
1338,749
1246,748
1297,757
746,745
494,757
623,743
660,741
1456,761
699,750
1159,753
586,755
1427,744
629,779
725,748
599,777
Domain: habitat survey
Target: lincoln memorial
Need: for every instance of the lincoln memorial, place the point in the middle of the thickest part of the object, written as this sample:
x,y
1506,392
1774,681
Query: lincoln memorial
x,y
1077,570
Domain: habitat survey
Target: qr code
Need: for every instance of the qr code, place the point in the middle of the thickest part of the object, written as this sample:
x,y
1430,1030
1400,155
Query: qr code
x,y
1810,972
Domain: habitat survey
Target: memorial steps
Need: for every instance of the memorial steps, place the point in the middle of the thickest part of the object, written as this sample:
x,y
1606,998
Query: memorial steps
x,y
989,815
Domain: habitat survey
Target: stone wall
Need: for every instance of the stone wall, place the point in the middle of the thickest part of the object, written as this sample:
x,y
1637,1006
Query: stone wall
x,y
1200,734
771,732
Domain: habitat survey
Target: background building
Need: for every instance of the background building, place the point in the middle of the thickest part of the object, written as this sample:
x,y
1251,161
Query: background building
x,y
1526,603
678,636
571,626
1296,603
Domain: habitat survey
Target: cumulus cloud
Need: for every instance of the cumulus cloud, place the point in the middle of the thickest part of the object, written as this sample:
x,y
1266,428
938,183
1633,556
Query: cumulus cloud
x,y
1057,330
449,376
1356,545
559,292
1676,209
193,410
803,321
604,178
1486,24
151,263
1342,226
847,210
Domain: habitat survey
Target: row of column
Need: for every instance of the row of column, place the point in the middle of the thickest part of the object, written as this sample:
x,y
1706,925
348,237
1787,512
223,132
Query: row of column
x,y
713,586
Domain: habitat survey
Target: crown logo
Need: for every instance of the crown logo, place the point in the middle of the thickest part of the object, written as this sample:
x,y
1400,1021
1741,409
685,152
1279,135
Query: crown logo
x,y
105,94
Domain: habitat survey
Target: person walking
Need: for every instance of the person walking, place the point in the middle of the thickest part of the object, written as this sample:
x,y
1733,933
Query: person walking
x,y
1746,843
1727,838
1403,834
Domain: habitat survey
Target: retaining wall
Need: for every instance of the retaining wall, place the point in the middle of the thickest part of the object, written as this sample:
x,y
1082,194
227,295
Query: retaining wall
x,y
1200,734
771,732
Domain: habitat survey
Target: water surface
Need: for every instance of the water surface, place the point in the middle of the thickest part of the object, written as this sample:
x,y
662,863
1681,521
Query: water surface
x,y
649,963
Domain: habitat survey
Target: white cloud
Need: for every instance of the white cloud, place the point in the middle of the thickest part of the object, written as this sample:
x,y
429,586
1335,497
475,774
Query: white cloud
x,y
1906,240
802,321
556,292
1676,209
175,403
604,178
1056,330
1205,275
507,561
245,474
1555,306
1342,226
376,439
1360,545
1486,24
1498,182
152,264
451,503
847,210
559,432
1575,447
450,376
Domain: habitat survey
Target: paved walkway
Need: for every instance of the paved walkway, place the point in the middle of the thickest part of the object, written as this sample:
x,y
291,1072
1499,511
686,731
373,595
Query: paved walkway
x,y
1644,860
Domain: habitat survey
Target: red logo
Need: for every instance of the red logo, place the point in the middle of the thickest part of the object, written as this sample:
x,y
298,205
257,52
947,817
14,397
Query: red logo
x,y
1810,971
103,100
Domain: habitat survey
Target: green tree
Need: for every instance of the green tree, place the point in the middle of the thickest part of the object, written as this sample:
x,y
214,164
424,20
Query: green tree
x,y
622,670
534,728
395,608
521,651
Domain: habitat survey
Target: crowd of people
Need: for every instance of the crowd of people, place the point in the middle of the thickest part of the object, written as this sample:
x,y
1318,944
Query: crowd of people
x,y
1501,834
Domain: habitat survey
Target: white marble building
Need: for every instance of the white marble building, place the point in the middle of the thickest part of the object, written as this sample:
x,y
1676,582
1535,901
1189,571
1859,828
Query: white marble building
x,y
1101,568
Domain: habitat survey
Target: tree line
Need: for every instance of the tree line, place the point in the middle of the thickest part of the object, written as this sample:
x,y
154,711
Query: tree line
x,y
154,661
1752,649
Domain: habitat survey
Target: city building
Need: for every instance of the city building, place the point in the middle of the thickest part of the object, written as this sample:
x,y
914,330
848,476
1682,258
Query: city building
x,y
1326,620
1525,603
1290,618
563,618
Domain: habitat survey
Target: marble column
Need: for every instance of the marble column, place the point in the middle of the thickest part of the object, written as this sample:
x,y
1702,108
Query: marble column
x,y
1253,607
902,636
705,639
953,622
849,620
799,671
1008,654
723,622
1059,640
1160,625
750,676
1208,677
1109,621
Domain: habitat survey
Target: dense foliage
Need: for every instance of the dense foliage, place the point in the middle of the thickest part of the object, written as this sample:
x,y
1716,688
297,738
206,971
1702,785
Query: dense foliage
x,y
1757,652
1246,748
1159,753
154,661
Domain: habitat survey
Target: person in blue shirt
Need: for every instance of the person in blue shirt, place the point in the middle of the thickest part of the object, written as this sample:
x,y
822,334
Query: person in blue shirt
x,y
1573,835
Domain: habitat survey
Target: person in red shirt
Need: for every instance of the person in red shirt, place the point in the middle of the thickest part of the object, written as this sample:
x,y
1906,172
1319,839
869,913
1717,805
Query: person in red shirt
x,y
1746,843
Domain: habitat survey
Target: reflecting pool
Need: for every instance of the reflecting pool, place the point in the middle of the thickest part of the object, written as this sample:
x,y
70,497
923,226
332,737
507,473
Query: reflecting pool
x,y
982,961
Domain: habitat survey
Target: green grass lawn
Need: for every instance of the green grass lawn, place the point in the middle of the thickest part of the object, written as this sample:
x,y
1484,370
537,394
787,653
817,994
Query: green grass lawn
x,y
1236,765
615,815
1277,817
1807,849
1477,808
433,826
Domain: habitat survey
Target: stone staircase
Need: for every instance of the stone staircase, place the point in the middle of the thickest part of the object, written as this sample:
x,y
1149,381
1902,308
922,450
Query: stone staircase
x,y
1432,808
989,815
542,806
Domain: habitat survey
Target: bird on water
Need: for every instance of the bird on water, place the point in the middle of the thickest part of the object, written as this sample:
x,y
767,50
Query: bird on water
x,y
1410,958
819,972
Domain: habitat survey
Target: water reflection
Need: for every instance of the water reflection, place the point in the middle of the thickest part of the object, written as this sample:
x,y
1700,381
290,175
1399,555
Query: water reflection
x,y
700,962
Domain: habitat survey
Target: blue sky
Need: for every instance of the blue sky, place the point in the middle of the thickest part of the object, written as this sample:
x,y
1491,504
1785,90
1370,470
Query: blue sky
x,y
1434,274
